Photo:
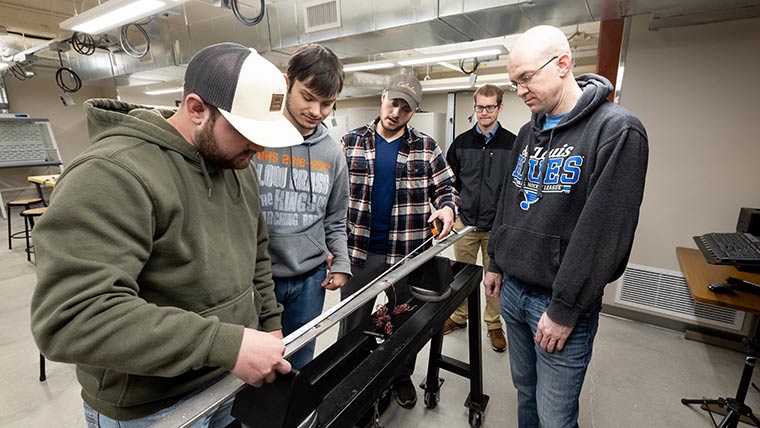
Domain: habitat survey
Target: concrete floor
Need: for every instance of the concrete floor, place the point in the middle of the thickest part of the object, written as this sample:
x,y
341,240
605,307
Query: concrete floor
x,y
636,378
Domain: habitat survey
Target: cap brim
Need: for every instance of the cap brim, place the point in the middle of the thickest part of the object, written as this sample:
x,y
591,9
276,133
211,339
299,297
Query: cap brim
x,y
404,96
265,133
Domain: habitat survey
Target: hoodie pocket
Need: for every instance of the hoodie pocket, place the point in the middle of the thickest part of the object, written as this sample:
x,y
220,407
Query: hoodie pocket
x,y
258,303
125,390
236,310
531,257
295,254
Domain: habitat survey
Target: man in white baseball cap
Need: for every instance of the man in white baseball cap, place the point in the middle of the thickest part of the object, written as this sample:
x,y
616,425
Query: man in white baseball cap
x,y
154,277
248,90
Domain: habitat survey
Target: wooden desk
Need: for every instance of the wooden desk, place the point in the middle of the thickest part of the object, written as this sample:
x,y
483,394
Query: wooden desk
x,y
46,180
43,180
699,274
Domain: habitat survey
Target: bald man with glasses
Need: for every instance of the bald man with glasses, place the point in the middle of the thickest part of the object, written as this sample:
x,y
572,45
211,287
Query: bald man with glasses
x,y
479,158
565,223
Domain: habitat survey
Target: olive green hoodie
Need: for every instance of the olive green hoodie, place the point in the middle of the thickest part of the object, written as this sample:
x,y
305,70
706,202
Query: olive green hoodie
x,y
145,273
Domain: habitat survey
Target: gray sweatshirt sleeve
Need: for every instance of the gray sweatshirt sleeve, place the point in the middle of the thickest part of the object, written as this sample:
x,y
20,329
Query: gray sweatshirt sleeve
x,y
335,219
601,241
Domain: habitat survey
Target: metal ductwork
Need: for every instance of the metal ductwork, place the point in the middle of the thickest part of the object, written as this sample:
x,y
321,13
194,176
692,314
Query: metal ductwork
x,y
367,80
359,83
366,26
205,24
357,28
115,62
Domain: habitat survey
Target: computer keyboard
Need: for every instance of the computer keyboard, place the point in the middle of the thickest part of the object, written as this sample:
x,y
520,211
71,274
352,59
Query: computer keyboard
x,y
730,248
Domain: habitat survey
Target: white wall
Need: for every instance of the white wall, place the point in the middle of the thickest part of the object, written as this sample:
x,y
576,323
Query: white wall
x,y
696,91
39,98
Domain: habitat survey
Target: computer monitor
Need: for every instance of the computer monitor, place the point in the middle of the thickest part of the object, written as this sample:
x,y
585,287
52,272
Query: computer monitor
x,y
749,221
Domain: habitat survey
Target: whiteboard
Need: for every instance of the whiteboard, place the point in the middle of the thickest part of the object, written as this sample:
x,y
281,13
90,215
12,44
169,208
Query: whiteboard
x,y
27,142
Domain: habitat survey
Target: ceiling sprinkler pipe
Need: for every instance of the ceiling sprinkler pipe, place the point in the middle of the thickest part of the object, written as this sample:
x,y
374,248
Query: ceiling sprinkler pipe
x,y
4,104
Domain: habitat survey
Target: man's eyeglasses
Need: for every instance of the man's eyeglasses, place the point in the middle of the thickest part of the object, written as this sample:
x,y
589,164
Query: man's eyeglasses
x,y
525,80
489,109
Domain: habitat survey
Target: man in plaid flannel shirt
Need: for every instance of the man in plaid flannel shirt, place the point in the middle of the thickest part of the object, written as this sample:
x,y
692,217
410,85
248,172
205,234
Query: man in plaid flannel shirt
x,y
395,174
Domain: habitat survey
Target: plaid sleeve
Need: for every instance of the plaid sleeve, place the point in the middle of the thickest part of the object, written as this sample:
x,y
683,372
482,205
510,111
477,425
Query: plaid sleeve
x,y
359,170
442,190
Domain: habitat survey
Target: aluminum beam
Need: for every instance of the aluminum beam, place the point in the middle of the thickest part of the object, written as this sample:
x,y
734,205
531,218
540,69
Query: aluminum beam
x,y
202,404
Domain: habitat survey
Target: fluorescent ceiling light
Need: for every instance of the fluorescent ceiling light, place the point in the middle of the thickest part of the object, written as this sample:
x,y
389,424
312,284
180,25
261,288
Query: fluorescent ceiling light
x,y
427,59
450,66
368,66
162,91
115,13
451,55
463,82
445,88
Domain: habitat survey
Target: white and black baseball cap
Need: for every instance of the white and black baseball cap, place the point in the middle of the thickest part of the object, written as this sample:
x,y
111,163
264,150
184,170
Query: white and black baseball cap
x,y
248,90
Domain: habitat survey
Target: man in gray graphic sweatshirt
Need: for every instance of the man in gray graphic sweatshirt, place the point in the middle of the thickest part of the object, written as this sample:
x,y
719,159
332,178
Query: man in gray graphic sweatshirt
x,y
304,196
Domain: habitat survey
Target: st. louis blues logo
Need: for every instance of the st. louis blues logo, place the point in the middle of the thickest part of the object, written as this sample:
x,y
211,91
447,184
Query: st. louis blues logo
x,y
553,172
530,198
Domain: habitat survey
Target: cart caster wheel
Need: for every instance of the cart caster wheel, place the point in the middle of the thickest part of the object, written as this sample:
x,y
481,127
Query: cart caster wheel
x,y
431,400
476,419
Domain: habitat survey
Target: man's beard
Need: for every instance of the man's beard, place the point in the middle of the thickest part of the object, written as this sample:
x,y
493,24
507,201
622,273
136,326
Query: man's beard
x,y
391,130
209,149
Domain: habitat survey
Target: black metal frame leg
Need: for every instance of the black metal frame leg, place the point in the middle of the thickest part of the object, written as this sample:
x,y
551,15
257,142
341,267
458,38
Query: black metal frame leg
x,y
736,406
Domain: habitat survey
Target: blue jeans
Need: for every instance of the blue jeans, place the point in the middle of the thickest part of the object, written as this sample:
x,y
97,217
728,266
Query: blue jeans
x,y
219,418
303,298
548,384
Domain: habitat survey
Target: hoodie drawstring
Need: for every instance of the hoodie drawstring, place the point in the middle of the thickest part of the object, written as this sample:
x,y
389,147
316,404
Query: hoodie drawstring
x,y
206,177
292,179
239,185
311,188
540,192
290,167
526,167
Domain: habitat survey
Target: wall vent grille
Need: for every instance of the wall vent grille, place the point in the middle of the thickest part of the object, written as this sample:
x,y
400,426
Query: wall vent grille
x,y
321,15
666,292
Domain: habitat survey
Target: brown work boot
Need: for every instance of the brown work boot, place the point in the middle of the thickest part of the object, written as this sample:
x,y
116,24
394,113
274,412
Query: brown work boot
x,y
498,341
450,325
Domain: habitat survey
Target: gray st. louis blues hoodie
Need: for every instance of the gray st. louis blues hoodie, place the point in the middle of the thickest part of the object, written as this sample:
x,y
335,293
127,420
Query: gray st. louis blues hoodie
x,y
569,208
304,197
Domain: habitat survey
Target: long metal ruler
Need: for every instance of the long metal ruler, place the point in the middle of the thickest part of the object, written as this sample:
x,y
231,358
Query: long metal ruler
x,y
202,404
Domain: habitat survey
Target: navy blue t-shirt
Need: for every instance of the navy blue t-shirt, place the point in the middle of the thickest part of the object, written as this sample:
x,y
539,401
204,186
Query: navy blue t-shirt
x,y
383,193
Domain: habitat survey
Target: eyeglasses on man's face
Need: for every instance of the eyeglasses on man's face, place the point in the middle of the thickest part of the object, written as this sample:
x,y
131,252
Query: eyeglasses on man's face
x,y
489,109
525,79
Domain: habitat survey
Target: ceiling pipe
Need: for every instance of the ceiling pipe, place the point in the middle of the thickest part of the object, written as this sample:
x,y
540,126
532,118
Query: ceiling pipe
x,y
4,103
